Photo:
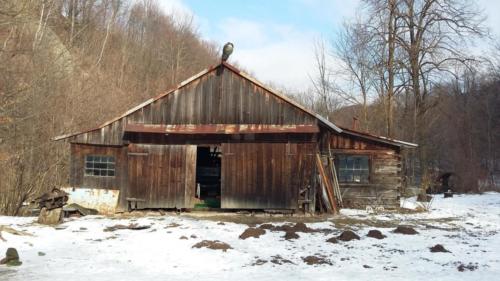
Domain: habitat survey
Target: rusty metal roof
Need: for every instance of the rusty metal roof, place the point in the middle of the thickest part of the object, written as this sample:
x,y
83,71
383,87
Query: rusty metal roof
x,y
382,139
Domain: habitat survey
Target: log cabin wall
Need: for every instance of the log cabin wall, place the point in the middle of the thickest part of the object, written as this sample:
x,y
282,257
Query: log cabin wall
x,y
384,179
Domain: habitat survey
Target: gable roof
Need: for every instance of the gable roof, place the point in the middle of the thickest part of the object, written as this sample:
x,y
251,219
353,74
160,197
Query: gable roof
x,y
280,96
321,119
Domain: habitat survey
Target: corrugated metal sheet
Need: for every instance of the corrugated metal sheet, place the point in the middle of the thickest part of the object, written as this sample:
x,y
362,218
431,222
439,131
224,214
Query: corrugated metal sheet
x,y
103,200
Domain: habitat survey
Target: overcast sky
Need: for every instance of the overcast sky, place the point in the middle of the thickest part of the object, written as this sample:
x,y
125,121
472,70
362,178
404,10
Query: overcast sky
x,y
274,39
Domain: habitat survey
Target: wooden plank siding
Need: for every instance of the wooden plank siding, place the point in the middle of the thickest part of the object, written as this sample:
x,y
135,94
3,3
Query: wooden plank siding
x,y
214,98
163,175
77,167
384,184
265,175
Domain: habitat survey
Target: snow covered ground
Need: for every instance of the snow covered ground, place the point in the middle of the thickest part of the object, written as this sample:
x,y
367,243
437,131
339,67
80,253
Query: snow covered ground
x,y
466,225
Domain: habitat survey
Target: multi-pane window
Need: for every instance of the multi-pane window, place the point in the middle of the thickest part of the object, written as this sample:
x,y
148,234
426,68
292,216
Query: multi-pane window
x,y
352,169
99,165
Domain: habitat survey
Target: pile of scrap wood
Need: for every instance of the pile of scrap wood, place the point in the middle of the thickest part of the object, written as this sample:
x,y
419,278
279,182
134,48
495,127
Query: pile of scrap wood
x,y
329,187
53,199
50,204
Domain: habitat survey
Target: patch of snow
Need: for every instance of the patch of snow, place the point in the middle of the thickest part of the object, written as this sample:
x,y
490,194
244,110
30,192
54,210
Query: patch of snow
x,y
466,225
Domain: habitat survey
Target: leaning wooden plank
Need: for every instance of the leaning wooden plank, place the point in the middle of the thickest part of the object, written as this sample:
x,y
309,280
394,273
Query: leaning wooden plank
x,y
329,188
336,186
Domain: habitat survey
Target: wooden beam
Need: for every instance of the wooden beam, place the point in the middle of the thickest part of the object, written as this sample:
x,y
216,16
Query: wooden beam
x,y
328,184
220,129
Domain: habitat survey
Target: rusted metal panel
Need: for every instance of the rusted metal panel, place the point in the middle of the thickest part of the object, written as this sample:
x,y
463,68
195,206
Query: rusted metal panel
x,y
265,175
162,175
349,133
103,200
346,141
220,129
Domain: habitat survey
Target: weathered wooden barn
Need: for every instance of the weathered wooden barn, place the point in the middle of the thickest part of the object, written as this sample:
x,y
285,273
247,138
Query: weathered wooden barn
x,y
225,140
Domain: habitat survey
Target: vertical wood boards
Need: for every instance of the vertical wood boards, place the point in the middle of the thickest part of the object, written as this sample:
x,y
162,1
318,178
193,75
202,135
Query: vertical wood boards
x,y
163,175
265,175
77,167
226,98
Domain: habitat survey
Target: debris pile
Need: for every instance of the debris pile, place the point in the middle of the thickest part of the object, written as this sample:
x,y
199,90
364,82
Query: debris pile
x,y
50,204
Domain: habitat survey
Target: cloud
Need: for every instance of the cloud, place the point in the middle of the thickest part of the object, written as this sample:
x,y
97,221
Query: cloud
x,y
275,53
175,7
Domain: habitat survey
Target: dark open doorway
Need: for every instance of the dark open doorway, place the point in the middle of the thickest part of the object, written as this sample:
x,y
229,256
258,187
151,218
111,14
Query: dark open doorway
x,y
208,176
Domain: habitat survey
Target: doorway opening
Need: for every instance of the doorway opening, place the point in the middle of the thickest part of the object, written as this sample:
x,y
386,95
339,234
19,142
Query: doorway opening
x,y
208,176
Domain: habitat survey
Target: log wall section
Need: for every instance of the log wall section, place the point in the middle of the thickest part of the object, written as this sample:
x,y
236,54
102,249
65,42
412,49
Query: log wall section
x,y
383,188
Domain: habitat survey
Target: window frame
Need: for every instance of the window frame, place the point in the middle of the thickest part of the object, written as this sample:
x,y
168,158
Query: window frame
x,y
91,171
337,168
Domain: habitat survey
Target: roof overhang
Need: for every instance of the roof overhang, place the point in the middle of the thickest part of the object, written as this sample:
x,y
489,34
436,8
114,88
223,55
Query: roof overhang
x,y
386,140
221,129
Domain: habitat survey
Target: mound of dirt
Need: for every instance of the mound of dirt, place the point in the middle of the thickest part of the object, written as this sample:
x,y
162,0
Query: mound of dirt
x,y
132,226
405,230
259,262
298,227
285,228
267,226
463,267
252,232
438,248
375,233
302,227
214,245
279,260
289,235
183,237
333,240
348,236
313,260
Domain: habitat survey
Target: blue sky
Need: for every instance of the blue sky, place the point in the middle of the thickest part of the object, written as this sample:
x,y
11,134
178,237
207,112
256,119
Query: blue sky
x,y
274,39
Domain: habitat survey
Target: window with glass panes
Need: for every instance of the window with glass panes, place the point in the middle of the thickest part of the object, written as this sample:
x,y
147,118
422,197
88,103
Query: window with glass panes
x,y
352,169
100,165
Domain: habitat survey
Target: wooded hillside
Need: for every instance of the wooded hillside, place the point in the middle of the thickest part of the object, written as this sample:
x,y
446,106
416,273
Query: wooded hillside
x,y
69,65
